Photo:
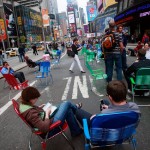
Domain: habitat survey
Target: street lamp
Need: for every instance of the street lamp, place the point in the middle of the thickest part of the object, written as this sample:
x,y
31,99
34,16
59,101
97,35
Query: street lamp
x,y
39,4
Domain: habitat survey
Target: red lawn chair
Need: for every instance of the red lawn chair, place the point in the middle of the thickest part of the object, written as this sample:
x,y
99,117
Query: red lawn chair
x,y
14,84
58,124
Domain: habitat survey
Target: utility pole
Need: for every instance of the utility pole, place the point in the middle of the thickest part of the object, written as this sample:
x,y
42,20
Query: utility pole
x,y
39,3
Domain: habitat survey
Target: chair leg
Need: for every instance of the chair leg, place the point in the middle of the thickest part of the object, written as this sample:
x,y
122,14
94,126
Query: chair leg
x,y
43,143
134,143
67,139
30,142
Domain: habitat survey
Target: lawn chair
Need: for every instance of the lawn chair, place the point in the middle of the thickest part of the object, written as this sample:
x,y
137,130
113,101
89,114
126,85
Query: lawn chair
x,y
43,141
45,71
56,60
142,80
31,66
14,84
111,129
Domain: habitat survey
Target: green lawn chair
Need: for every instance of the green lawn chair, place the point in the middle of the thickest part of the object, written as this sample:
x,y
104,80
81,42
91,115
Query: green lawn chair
x,y
142,80
90,56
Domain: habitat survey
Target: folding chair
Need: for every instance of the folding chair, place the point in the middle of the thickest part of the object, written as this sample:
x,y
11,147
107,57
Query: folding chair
x,y
111,129
142,80
45,71
31,66
43,141
56,61
14,84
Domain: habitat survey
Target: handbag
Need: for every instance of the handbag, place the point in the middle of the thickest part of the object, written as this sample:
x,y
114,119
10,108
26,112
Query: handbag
x,y
71,53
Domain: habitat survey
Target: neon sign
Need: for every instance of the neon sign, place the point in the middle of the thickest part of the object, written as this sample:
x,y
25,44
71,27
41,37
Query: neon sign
x,y
132,11
145,14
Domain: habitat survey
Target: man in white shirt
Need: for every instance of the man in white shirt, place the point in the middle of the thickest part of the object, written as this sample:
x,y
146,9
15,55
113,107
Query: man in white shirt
x,y
148,52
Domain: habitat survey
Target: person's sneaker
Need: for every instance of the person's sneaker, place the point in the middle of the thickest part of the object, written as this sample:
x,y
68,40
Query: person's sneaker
x,y
129,91
71,71
83,72
146,94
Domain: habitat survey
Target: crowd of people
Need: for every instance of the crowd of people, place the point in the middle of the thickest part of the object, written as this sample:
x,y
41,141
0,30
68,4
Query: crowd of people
x,y
112,47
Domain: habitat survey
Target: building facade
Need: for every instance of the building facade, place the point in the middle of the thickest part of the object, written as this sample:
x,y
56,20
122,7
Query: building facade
x,y
134,15
63,23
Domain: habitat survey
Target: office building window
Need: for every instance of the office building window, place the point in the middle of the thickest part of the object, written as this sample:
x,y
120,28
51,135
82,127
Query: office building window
x,y
131,3
125,4
120,6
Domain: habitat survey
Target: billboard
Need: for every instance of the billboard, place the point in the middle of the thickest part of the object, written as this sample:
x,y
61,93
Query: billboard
x,y
91,12
2,30
45,17
71,18
102,23
86,28
10,22
107,3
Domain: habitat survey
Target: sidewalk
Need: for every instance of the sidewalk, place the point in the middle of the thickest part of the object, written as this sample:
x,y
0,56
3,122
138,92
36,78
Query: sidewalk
x,y
16,65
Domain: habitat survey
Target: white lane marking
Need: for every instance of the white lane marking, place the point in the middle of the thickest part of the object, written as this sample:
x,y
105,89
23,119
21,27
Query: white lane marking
x,y
93,88
9,103
144,105
82,87
64,97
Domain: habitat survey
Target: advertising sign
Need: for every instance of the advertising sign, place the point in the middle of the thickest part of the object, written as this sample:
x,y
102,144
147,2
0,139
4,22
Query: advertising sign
x,y
102,23
71,18
91,12
86,28
45,17
10,22
2,30
107,3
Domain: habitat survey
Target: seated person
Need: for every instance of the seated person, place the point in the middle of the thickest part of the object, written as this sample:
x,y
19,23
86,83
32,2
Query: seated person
x,y
8,70
31,63
133,52
131,71
38,118
117,93
147,50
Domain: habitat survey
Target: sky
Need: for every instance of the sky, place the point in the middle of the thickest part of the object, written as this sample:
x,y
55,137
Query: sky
x,y
62,5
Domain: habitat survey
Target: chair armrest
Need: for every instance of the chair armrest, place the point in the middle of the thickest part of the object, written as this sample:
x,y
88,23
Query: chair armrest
x,y
86,129
132,80
54,125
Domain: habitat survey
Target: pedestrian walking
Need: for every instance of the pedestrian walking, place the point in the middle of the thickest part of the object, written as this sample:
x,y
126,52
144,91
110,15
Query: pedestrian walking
x,y
113,46
75,50
1,58
123,54
34,49
21,51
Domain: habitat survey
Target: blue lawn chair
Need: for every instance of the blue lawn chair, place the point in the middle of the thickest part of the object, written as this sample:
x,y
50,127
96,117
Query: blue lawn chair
x,y
111,129
56,61
45,71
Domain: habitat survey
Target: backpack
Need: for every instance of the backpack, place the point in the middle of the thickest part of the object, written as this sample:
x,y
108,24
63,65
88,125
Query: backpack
x,y
108,41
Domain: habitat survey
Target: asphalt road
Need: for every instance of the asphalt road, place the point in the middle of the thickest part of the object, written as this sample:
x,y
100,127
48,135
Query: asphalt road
x,y
75,87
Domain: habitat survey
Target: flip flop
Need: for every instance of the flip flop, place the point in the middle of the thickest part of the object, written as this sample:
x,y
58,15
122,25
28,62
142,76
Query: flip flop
x,y
79,105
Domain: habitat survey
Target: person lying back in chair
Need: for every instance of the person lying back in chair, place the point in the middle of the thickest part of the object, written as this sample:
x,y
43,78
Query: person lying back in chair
x,y
40,119
31,63
8,70
117,92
